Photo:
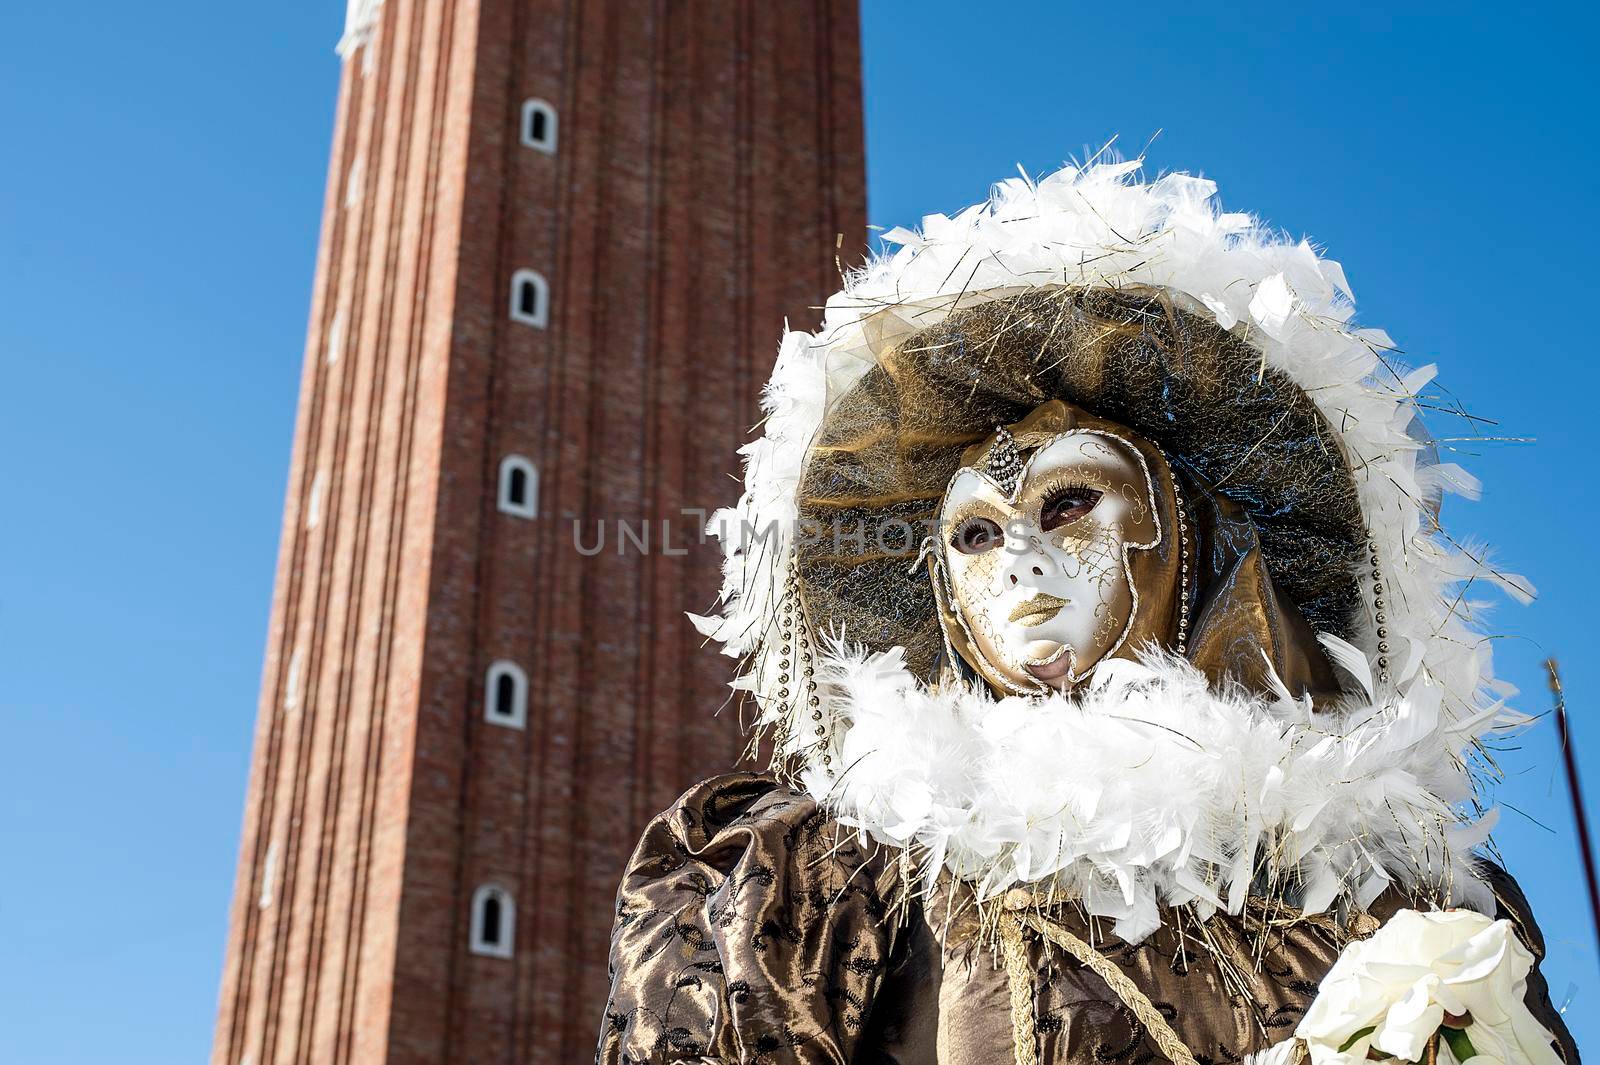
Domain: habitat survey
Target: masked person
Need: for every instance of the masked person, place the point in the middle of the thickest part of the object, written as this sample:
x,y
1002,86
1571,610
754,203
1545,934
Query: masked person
x,y
1122,702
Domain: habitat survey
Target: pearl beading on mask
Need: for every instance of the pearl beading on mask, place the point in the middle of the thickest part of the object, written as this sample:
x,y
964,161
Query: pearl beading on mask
x,y
1004,462
795,663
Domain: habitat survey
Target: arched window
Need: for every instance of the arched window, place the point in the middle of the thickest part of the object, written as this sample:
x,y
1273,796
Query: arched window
x,y
494,921
505,695
269,876
530,298
519,487
319,487
539,126
291,681
353,182
335,337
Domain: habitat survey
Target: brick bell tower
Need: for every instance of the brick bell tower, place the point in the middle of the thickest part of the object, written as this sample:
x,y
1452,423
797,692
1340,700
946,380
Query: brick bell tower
x,y
559,242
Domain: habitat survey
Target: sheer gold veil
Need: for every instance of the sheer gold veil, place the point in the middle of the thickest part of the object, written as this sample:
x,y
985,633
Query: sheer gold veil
x,y
1275,531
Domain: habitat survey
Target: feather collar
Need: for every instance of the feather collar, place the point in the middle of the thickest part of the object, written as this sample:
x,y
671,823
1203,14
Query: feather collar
x,y
1147,788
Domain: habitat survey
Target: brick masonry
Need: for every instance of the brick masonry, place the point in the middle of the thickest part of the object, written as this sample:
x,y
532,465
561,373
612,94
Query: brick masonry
x,y
709,155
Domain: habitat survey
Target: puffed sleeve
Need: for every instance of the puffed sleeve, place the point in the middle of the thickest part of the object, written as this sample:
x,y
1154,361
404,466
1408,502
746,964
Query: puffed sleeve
x,y
750,928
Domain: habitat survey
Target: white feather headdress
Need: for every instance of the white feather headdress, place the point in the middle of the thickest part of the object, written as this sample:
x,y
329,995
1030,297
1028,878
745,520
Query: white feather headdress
x,y
1102,227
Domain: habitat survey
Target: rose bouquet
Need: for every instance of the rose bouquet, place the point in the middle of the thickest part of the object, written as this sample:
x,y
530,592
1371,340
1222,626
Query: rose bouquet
x,y
1436,987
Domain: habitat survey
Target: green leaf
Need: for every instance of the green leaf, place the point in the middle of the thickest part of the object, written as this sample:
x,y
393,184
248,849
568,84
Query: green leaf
x,y
1358,1037
1460,1045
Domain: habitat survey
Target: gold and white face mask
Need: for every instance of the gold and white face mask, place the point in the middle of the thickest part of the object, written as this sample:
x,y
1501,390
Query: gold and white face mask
x,y
1036,555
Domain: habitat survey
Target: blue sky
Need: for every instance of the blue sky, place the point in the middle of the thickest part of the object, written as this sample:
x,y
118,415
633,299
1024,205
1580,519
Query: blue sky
x,y
159,202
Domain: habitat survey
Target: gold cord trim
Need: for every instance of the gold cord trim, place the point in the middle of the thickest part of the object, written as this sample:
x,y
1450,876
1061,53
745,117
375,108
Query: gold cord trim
x,y
1020,979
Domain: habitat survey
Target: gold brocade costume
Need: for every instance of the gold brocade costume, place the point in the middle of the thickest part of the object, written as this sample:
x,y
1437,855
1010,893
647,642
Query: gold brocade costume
x,y
751,928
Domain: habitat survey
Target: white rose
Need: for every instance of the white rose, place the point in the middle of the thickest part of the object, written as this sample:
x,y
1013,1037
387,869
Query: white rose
x,y
1391,993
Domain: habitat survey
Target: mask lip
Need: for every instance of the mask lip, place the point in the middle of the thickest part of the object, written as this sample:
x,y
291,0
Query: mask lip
x,y
950,605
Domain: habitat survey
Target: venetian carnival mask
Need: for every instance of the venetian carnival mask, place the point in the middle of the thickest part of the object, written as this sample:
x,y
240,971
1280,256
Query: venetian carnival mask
x,y
1036,554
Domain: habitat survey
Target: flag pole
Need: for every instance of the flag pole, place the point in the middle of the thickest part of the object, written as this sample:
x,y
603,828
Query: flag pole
x,y
1575,791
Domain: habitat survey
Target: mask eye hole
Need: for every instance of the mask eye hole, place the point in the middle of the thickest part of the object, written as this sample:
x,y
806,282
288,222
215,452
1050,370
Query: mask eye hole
x,y
977,535
1066,505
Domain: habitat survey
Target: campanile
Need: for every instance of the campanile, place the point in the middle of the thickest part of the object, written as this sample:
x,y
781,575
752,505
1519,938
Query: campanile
x,y
559,242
